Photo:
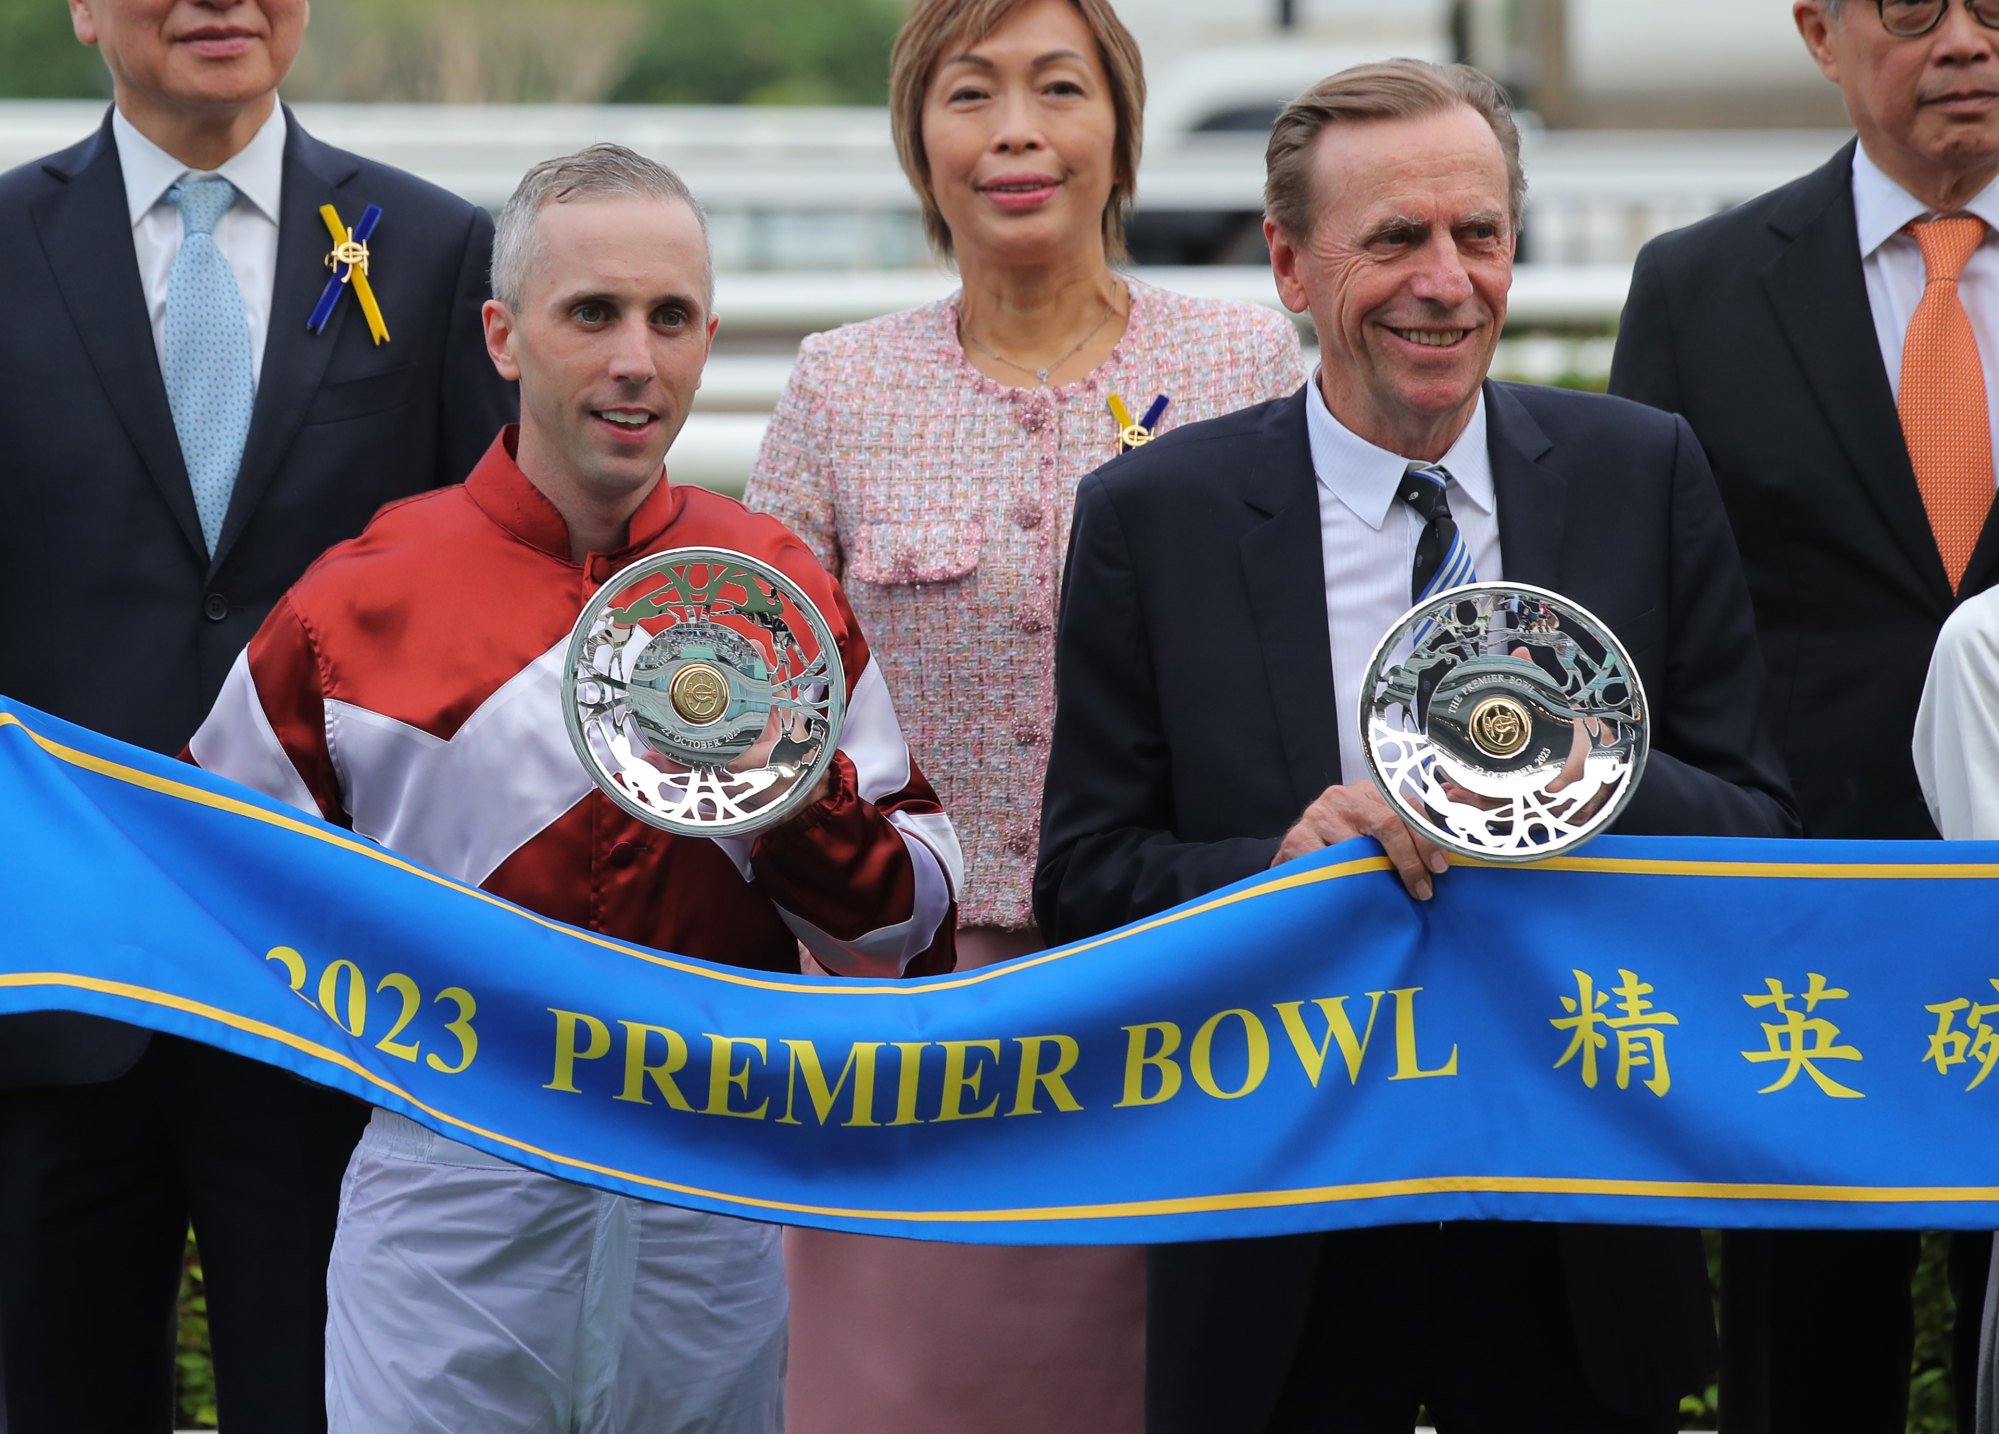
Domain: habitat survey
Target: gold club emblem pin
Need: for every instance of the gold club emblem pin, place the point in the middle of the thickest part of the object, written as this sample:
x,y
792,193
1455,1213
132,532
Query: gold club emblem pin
x,y
699,693
1499,726
351,252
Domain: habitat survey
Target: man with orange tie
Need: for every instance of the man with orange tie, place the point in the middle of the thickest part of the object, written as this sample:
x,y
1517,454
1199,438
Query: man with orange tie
x,y
1835,346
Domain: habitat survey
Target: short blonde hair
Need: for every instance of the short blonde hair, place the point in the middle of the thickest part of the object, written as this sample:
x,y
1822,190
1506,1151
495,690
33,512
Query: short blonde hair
x,y
1392,89
603,171
935,26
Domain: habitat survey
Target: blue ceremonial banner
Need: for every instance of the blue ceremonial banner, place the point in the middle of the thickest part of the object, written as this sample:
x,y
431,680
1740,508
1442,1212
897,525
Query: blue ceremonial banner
x,y
1671,1032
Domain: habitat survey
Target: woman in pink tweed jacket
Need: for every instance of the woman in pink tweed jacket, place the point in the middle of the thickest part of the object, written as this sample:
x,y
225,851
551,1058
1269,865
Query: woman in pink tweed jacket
x,y
931,459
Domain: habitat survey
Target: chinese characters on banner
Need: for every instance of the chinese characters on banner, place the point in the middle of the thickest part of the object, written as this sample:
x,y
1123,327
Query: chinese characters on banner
x,y
1798,1038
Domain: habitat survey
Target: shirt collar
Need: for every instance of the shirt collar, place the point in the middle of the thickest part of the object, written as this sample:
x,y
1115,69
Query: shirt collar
x,y
257,169
1882,208
505,495
1366,478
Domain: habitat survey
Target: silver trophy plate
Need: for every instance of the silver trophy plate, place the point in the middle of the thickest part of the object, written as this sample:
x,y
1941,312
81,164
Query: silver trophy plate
x,y
704,692
1504,722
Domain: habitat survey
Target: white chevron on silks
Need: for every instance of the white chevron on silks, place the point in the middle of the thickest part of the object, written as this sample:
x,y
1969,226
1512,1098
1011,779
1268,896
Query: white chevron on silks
x,y
235,741
435,800
432,799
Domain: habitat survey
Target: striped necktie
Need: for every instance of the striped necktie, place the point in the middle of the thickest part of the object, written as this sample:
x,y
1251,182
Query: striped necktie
x,y
1442,559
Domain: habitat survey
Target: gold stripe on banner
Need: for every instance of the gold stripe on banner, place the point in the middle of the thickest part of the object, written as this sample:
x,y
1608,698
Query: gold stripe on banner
x,y
1796,870
1116,1210
848,987
196,796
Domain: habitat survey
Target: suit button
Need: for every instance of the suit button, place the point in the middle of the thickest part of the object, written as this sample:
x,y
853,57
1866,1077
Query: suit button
x,y
1032,625
215,607
623,854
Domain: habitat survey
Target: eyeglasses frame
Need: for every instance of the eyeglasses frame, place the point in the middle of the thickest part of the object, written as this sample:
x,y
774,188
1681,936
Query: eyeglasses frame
x,y
1881,13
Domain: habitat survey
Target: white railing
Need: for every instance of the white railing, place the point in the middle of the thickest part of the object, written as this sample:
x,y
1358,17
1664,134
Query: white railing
x,y
796,303
805,187
1559,321
787,187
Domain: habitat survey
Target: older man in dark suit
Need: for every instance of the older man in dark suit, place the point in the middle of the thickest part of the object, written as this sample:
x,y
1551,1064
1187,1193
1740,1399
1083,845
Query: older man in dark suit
x,y
1835,346
1226,586
181,446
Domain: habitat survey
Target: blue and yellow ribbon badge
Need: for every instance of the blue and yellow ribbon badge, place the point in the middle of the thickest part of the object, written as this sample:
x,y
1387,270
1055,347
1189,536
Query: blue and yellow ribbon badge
x,y
348,259
1136,433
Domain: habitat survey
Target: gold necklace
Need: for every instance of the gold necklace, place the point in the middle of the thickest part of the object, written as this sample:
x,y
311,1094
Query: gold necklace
x,y
1040,374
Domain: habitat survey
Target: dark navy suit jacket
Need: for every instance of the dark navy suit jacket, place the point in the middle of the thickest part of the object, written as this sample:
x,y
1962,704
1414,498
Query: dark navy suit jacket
x,y
1755,326
1195,720
115,615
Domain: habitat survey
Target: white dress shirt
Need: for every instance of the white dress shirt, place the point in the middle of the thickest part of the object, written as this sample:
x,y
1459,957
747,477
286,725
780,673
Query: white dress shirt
x,y
1367,540
247,234
1893,268
1956,744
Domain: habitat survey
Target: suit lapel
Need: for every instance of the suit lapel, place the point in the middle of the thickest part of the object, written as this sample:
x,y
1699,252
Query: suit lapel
x,y
1533,500
1983,568
1819,297
294,359
86,235
1284,574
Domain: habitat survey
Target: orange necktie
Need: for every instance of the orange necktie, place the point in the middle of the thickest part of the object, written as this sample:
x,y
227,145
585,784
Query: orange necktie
x,y
1942,403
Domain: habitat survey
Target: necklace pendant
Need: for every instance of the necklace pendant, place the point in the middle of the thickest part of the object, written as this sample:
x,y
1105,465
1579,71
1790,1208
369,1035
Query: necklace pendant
x,y
1041,376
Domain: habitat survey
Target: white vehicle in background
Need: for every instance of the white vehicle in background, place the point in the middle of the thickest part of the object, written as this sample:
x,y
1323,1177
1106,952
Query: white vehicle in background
x,y
1217,74
1207,120
1688,65
1591,78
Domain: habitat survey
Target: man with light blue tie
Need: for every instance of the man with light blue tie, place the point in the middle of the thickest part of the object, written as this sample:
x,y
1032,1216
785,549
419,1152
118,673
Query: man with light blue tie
x,y
205,354
181,446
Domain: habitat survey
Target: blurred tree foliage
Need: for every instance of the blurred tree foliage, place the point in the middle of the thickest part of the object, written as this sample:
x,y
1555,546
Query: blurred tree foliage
x,y
468,51
40,58
530,51
194,1371
797,52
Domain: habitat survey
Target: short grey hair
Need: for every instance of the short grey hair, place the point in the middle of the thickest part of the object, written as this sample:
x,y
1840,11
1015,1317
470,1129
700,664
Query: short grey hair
x,y
603,171
1388,90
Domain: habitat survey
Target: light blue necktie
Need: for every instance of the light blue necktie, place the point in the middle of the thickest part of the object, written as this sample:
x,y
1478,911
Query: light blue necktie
x,y
207,352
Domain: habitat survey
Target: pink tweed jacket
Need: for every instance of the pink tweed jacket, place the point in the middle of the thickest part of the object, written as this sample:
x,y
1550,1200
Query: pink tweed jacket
x,y
942,499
